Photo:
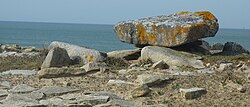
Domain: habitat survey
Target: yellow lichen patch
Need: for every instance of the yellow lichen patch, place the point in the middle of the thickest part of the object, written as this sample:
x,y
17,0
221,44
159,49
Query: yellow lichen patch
x,y
172,34
86,57
91,58
154,28
182,13
141,32
206,15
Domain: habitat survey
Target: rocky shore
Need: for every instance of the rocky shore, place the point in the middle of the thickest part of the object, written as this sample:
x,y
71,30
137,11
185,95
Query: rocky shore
x,y
179,71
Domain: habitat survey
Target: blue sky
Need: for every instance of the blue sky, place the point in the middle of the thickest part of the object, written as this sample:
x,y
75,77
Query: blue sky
x,y
231,13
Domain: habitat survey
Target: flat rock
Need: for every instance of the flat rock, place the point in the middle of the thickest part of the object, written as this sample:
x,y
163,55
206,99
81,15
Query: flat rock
x,y
56,90
170,56
57,57
22,88
140,91
151,79
19,100
119,82
160,65
3,93
192,93
80,54
205,71
60,72
19,72
94,66
168,31
125,54
53,102
5,85
123,103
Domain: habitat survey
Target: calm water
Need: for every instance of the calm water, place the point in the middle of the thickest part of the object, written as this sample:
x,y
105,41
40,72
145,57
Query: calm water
x,y
100,37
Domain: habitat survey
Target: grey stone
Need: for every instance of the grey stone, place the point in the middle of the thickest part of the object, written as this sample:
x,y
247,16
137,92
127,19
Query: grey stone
x,y
225,67
3,93
18,100
93,100
217,46
81,54
22,88
151,79
123,103
60,72
233,48
140,91
57,57
192,93
19,72
178,72
53,102
168,31
206,71
170,56
111,95
125,54
35,95
94,66
5,85
160,65
56,90
119,82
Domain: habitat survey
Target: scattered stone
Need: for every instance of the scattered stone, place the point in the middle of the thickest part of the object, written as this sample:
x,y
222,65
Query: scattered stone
x,y
160,65
205,71
22,88
118,82
81,54
126,54
19,100
122,71
122,103
217,46
140,91
171,57
151,79
237,87
57,57
177,72
192,93
132,65
93,66
147,66
56,90
93,100
19,72
233,48
225,67
111,95
173,30
3,93
15,54
60,72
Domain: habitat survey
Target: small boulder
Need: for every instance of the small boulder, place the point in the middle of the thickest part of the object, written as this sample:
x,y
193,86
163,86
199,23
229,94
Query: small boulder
x,y
217,46
80,54
57,57
140,91
192,93
225,67
126,54
170,56
94,66
233,48
160,65
151,79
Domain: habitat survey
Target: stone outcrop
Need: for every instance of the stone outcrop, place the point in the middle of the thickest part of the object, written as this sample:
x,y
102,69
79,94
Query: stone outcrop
x,y
170,56
57,57
172,30
80,54
233,48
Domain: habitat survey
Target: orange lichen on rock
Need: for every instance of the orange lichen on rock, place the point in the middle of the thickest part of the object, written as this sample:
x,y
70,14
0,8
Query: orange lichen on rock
x,y
182,13
141,32
91,58
206,15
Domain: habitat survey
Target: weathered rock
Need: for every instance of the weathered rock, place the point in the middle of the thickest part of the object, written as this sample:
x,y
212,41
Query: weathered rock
x,y
151,79
206,71
19,100
237,87
123,103
94,66
19,72
233,48
140,91
3,93
22,88
225,67
60,72
192,93
126,54
57,57
160,65
118,82
56,90
172,30
178,72
5,85
217,46
170,56
80,54
111,95
11,47
94,100
53,102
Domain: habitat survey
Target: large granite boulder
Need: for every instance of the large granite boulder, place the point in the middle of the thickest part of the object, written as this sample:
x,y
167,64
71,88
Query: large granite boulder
x,y
80,54
57,57
172,30
171,57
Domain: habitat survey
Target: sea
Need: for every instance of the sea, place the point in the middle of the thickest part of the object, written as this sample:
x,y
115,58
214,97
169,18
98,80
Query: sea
x,y
95,36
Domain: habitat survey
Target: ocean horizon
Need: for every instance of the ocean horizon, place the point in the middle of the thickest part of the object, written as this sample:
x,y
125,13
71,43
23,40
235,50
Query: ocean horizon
x,y
97,36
